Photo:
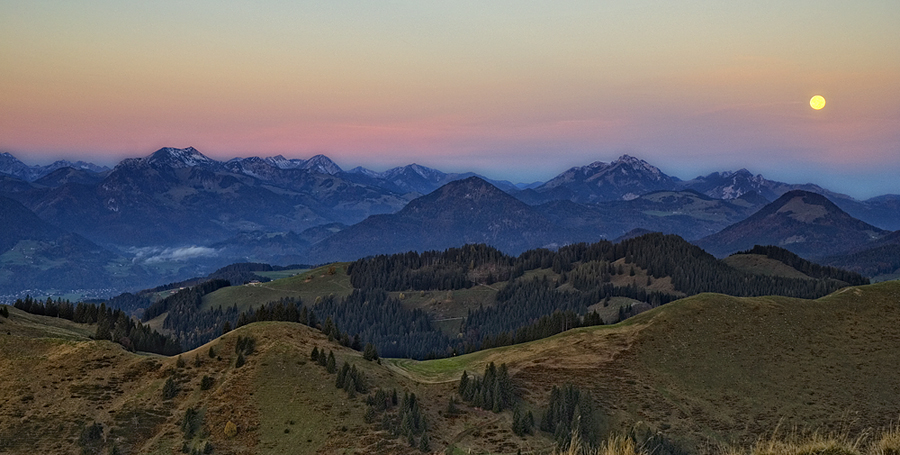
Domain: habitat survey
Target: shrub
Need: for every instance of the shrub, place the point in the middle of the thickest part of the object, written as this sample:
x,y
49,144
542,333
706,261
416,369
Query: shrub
x,y
170,389
230,429
191,422
206,382
91,434
889,443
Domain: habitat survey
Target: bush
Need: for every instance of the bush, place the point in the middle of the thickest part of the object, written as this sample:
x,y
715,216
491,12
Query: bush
x,y
230,429
206,382
170,389
191,422
370,353
91,434
889,443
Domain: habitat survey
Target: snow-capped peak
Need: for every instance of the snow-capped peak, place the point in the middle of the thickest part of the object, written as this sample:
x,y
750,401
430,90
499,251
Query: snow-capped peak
x,y
321,164
179,158
637,164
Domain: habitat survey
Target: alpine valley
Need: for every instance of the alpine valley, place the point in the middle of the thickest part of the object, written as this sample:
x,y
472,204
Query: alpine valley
x,y
176,214
180,304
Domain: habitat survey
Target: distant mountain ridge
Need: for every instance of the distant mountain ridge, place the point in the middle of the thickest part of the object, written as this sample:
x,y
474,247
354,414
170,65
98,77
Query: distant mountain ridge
x,y
11,165
802,222
421,179
278,208
34,253
623,179
463,211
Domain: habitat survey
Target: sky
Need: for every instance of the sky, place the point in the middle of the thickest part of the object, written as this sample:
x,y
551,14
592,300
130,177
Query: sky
x,y
518,90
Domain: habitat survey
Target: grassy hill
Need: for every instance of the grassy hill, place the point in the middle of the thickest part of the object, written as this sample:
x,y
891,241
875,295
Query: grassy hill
x,y
56,384
307,285
713,369
705,370
759,264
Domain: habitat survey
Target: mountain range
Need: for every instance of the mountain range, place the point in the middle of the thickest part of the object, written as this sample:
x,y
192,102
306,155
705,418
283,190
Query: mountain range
x,y
463,211
806,223
11,165
276,209
36,255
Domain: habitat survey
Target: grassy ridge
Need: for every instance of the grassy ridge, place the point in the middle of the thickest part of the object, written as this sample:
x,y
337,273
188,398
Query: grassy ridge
x,y
759,264
724,369
708,371
305,286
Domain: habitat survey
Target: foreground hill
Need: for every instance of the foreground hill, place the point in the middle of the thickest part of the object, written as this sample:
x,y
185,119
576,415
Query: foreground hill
x,y
805,223
99,398
695,373
710,369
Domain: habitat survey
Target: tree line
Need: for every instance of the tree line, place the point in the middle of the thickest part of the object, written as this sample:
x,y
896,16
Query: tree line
x,y
112,324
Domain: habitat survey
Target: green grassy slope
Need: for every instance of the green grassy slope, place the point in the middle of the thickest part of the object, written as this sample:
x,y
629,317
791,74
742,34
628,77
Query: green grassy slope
x,y
305,286
759,264
721,369
704,370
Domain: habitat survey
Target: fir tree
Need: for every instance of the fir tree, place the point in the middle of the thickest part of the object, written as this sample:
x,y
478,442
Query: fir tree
x,y
170,389
463,384
331,363
370,353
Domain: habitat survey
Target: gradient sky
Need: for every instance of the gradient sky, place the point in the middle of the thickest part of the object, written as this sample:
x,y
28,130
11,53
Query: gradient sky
x,y
519,90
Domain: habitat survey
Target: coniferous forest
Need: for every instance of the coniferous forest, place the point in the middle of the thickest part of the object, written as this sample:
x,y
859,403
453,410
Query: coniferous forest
x,y
526,306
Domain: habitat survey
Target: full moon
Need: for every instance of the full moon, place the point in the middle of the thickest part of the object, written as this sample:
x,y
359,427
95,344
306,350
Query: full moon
x,y
817,102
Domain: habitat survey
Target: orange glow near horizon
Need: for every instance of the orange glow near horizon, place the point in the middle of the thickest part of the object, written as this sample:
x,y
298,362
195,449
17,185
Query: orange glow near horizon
x,y
447,83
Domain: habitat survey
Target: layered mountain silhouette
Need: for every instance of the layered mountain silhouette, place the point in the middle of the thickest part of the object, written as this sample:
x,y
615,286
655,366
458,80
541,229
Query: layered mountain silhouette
x,y
805,223
881,258
625,178
34,253
11,165
179,196
464,211
266,209
415,178
686,213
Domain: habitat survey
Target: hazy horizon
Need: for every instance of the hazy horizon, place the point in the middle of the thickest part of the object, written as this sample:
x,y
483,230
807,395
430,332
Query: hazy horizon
x,y
513,90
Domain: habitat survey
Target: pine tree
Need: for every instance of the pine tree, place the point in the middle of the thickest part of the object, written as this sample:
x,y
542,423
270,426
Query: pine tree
x,y
331,363
350,387
370,353
424,445
342,375
463,384
517,425
170,389
314,355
